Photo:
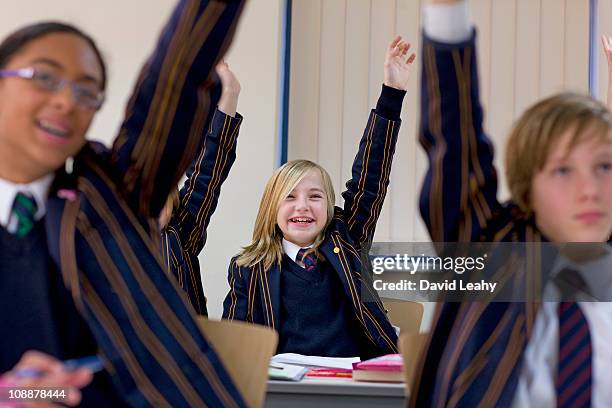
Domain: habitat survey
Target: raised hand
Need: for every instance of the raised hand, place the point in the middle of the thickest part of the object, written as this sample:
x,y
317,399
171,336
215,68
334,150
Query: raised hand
x,y
397,65
228,103
607,46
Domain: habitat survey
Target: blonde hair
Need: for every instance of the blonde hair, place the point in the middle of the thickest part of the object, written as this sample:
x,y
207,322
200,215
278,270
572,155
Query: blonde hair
x,y
267,236
540,128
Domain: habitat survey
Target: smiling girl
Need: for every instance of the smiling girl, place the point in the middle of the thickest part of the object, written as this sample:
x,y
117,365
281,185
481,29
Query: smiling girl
x,y
301,275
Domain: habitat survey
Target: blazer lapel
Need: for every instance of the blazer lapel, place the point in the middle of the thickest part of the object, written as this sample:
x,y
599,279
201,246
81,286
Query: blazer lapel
x,y
335,255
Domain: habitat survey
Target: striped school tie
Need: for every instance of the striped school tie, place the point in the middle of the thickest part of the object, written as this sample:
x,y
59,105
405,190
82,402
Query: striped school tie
x,y
309,261
24,208
574,369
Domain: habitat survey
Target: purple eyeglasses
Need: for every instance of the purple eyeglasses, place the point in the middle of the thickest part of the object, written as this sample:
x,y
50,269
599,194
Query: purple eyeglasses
x,y
86,95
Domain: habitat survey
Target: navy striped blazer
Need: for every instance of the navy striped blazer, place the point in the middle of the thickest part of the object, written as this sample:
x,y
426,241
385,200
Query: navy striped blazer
x,y
102,222
475,349
254,294
185,235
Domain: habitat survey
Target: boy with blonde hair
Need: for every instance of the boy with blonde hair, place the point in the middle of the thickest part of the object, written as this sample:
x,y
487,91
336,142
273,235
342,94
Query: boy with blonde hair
x,y
559,169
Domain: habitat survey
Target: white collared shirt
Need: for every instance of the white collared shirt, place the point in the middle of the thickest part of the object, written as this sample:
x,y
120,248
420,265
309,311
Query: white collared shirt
x,y
8,191
536,386
292,250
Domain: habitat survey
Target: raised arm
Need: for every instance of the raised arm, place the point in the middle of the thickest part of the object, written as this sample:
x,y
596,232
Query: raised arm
x,y
366,190
172,102
458,197
200,193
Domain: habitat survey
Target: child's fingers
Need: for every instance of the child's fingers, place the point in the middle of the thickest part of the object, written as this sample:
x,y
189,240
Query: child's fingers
x,y
406,48
402,48
411,59
607,43
398,50
39,361
79,377
394,42
73,396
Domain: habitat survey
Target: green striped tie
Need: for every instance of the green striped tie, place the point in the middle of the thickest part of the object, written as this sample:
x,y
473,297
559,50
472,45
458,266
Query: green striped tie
x,y
24,209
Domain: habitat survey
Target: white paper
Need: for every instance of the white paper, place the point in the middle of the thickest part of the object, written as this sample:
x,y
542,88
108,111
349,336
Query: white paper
x,y
316,361
286,372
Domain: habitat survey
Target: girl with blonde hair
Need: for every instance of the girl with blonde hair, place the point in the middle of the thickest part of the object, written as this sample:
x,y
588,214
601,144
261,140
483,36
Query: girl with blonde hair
x,y
301,275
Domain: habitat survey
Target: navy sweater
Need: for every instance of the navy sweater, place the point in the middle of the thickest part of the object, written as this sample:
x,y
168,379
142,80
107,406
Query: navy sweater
x,y
37,312
316,318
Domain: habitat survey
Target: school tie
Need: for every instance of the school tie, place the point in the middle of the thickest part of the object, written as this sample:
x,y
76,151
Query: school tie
x,y
24,208
309,261
574,369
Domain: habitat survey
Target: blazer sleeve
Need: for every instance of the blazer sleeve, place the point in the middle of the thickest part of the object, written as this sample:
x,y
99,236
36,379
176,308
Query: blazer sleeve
x,y
172,102
235,305
458,197
200,193
366,190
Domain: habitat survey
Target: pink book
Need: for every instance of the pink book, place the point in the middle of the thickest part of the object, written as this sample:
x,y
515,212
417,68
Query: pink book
x,y
389,362
388,368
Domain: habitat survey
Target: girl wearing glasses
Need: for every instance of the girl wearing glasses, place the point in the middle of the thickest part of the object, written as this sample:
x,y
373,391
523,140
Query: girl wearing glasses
x,y
81,271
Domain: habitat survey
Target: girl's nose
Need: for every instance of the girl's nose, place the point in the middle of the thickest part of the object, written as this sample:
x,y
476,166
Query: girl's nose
x,y
63,99
302,203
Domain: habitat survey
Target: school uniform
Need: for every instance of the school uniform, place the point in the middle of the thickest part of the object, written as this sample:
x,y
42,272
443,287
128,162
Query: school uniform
x,y
264,296
485,353
184,237
101,226
37,310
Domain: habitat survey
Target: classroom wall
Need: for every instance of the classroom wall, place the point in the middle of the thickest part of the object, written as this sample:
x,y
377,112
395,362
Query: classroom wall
x,y
126,33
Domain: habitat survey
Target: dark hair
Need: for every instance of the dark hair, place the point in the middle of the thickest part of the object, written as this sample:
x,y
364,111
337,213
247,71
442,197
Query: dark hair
x,y
18,39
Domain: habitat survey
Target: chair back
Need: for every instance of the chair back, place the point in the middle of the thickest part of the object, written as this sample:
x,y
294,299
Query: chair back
x,y
411,346
245,349
405,314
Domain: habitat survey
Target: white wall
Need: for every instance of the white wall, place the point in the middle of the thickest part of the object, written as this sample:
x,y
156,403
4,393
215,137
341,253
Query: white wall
x,y
126,32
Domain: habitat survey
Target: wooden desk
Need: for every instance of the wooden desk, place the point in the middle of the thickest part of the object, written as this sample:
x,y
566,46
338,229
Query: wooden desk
x,y
334,393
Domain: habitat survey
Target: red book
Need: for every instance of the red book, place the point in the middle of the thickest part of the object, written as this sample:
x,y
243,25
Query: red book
x,y
388,368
